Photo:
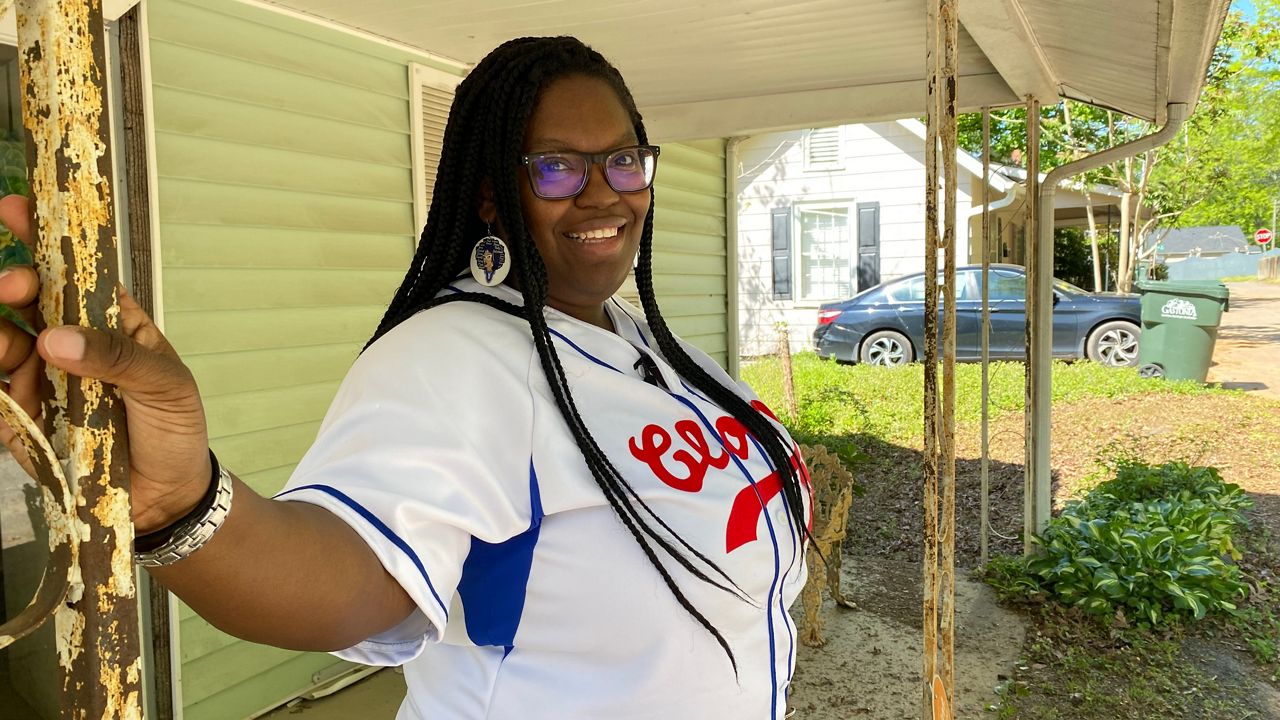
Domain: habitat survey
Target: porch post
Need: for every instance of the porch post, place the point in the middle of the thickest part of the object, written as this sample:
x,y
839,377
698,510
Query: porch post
x,y
938,688
985,511
1039,305
62,73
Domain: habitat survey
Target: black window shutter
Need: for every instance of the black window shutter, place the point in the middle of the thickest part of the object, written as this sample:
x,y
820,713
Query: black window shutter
x,y
782,253
868,245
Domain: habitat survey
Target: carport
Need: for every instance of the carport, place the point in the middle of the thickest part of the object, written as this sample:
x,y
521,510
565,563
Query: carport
x,y
731,69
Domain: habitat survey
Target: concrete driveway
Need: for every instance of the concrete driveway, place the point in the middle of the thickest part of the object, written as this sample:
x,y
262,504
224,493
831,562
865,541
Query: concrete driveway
x,y
1247,355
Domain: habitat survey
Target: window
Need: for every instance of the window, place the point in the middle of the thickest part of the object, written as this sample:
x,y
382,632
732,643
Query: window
x,y
822,149
434,91
1006,286
907,291
826,251
912,290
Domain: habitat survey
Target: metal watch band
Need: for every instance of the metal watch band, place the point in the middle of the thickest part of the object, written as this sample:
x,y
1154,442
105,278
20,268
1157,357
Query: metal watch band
x,y
195,533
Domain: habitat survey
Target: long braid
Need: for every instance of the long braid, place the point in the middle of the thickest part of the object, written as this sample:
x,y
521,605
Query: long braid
x,y
484,135
775,447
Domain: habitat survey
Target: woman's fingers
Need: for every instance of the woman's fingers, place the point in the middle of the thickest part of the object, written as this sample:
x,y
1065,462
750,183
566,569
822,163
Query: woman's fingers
x,y
15,214
15,346
18,286
112,357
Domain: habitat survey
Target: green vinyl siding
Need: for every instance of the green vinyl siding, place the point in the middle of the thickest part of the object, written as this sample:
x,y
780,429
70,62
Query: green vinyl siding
x,y
689,244
285,194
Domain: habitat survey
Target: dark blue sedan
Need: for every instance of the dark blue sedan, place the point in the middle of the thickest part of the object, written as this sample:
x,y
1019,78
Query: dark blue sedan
x,y
885,324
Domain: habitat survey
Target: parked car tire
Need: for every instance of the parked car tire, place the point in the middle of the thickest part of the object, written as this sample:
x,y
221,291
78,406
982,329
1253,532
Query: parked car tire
x,y
885,347
1114,344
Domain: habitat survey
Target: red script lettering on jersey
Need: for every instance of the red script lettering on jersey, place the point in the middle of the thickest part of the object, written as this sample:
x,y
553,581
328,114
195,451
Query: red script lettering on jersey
x,y
654,445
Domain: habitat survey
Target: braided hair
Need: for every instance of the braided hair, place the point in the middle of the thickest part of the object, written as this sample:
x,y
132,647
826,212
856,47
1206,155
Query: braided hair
x,y
482,141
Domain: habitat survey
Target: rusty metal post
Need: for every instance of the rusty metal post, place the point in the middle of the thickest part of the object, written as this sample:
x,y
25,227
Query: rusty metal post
x,y
939,415
930,571
947,421
62,69
788,372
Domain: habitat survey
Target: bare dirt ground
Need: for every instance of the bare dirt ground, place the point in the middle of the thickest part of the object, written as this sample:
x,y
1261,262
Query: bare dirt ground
x,y
1247,355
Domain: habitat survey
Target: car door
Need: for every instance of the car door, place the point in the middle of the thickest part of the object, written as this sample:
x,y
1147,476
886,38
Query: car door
x,y
968,314
1008,292
906,297
1069,307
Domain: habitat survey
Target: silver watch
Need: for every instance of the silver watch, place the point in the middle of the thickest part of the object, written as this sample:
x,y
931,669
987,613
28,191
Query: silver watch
x,y
194,533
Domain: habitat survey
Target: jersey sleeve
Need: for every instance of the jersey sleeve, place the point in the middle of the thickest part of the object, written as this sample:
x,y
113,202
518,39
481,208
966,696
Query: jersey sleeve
x,y
426,446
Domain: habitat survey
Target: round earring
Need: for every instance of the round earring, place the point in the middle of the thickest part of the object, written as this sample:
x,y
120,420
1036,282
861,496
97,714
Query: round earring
x,y
489,259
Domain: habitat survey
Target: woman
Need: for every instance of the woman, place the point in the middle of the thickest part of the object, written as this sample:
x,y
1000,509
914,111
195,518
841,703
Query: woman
x,y
529,493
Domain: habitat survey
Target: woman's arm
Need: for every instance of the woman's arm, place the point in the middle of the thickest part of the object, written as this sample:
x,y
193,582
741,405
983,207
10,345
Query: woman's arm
x,y
283,573
289,574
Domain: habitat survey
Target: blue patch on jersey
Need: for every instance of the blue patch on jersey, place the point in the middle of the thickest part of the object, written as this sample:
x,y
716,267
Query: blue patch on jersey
x,y
495,579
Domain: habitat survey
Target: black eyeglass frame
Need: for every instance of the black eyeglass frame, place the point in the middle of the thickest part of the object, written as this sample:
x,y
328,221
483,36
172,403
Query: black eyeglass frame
x,y
592,159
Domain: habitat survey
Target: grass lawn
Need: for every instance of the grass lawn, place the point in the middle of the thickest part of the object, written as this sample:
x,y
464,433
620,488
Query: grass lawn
x,y
1073,666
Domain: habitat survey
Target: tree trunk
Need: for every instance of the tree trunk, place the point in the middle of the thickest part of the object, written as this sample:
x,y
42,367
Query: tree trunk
x,y
1124,276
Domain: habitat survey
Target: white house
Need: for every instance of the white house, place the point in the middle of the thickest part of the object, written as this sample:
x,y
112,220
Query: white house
x,y
826,213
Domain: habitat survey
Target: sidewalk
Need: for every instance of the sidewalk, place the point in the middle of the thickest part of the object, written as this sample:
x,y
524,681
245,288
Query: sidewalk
x,y
1249,340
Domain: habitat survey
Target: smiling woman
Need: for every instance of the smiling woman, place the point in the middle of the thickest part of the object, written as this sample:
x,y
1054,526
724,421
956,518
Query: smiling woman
x,y
588,232
527,491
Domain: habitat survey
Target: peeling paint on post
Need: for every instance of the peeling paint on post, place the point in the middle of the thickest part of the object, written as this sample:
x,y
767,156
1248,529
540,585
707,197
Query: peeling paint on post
x,y
947,421
938,681
62,61
930,580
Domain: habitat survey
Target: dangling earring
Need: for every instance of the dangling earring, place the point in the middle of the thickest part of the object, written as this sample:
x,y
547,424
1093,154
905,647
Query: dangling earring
x,y
489,264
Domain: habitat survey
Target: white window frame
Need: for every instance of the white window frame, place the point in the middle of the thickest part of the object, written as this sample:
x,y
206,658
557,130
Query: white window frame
x,y
838,163
797,260
420,77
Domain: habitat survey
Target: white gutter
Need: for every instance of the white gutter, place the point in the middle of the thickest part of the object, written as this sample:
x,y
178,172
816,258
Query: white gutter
x,y
1040,311
1010,197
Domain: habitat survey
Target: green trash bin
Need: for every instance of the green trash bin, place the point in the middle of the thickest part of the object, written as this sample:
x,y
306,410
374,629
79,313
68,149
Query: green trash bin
x,y
1179,327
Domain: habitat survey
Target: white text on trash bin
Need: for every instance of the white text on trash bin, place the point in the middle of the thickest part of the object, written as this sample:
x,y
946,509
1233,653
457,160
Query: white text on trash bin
x,y
1179,308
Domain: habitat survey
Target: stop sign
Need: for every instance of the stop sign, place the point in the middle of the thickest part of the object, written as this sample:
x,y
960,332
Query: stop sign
x,y
1262,236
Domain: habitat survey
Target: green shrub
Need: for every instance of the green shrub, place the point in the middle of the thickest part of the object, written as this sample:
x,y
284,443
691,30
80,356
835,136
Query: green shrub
x,y
1154,542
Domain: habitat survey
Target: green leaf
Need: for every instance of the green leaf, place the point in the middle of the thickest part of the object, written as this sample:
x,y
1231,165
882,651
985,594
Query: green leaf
x,y
12,316
13,251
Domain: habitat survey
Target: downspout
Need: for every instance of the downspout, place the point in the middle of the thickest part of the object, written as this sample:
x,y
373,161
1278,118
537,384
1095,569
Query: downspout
x,y
1011,200
732,333
1041,350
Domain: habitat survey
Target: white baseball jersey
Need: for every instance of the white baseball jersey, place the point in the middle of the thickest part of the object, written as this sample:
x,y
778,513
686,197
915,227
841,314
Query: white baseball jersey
x,y
445,450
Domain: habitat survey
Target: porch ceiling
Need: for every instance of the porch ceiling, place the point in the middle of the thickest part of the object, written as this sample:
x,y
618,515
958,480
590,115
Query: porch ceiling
x,y
744,66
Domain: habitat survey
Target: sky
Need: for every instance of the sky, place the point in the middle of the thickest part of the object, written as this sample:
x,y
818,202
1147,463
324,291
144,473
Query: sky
x,y
1245,6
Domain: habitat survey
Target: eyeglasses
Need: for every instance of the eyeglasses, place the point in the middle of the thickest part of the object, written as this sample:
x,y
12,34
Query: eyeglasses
x,y
563,173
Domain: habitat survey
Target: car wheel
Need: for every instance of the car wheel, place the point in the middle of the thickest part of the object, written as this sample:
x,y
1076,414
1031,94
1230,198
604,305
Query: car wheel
x,y
1114,344
886,347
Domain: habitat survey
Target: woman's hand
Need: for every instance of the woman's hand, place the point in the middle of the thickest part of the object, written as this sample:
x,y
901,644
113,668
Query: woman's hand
x,y
291,548
168,438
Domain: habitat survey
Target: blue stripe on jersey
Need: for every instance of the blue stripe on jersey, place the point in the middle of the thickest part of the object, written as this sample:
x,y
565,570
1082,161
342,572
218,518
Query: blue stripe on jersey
x,y
495,579
639,332
777,560
796,539
382,528
582,352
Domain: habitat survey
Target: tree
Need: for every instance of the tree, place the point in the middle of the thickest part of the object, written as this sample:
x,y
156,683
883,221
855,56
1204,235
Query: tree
x,y
1224,168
